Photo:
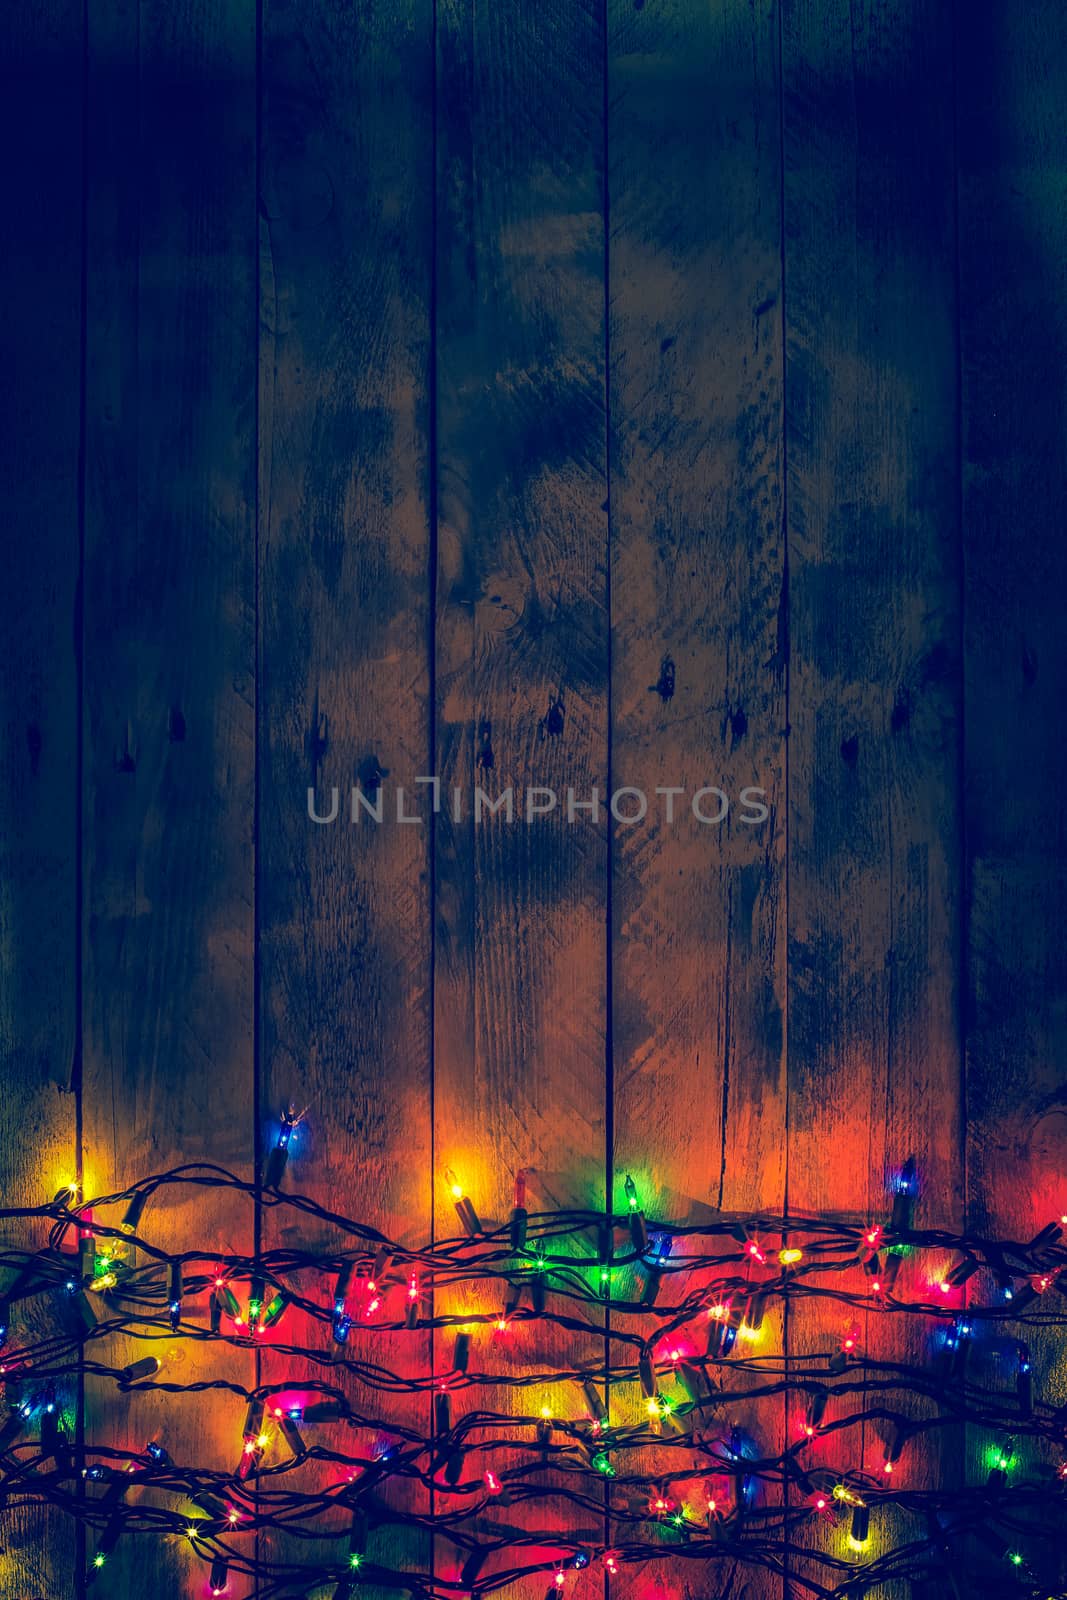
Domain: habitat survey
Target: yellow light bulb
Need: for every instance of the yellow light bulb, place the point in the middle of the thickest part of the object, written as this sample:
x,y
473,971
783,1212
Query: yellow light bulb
x,y
789,1258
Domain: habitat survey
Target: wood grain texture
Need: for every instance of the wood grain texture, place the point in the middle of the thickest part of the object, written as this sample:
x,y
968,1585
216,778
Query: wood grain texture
x,y
644,466
169,666
345,584
874,891
521,646
698,668
40,347
1013,279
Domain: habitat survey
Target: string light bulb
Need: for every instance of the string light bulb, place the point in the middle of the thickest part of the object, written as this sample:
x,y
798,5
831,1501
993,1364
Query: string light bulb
x,y
464,1207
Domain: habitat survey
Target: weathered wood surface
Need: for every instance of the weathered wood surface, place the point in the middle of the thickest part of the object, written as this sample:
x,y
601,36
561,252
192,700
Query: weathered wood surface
x,y
1013,289
344,547
169,670
874,649
521,649
40,348
344,580
698,664
545,498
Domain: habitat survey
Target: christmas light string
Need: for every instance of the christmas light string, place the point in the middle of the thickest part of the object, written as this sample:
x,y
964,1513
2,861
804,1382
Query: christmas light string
x,y
686,1441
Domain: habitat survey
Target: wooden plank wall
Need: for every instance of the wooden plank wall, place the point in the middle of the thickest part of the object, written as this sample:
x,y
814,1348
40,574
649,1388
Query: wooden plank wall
x,y
169,675
344,912
521,655
1013,234
41,108
698,659
874,630
619,393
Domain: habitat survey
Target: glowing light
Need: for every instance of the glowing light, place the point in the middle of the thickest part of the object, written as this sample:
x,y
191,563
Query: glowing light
x,y
631,1193
454,1184
98,1560
355,1562
1015,1558
789,1258
754,1252
492,1482
718,1312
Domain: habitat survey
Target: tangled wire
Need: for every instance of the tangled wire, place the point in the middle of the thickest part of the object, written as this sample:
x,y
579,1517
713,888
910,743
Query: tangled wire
x,y
707,1416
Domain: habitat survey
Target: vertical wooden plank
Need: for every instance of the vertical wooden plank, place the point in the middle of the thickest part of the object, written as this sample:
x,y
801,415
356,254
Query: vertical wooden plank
x,y
519,1079
874,893
1013,286
346,261
698,664
169,674
40,345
